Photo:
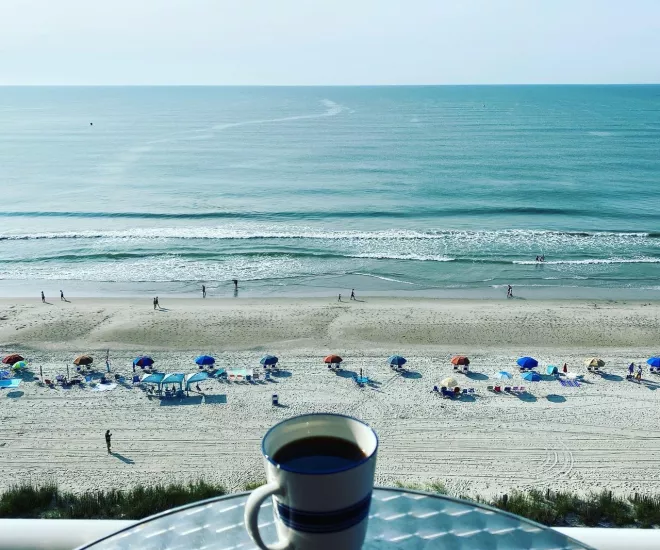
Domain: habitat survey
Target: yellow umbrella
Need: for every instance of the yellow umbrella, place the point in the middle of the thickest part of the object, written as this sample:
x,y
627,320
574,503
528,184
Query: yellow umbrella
x,y
594,362
449,382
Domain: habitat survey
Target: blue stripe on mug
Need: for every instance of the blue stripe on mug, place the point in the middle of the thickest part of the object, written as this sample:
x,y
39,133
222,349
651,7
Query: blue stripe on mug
x,y
324,522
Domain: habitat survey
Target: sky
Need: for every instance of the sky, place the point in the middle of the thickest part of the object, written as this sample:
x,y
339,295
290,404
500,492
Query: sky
x,y
328,42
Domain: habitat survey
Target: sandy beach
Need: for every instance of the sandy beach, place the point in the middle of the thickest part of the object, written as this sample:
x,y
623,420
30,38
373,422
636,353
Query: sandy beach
x,y
604,433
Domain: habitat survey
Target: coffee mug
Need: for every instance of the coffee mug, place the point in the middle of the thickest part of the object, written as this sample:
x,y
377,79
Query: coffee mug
x,y
320,474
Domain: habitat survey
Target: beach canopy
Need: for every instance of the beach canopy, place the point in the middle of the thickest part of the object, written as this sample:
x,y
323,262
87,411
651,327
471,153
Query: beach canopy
x,y
449,382
13,358
527,362
204,360
531,376
460,360
397,360
20,365
154,378
502,375
594,362
83,360
551,369
269,360
333,359
195,377
143,361
173,378
653,361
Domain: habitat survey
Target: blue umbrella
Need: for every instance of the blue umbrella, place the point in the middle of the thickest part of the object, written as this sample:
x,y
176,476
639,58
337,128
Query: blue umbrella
x,y
502,375
269,360
531,376
654,361
4,374
397,360
204,360
551,369
527,362
143,361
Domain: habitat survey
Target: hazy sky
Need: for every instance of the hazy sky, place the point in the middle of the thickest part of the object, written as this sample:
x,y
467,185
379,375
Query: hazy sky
x,y
329,41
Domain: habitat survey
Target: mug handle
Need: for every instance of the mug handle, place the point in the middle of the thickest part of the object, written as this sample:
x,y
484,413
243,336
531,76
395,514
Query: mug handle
x,y
252,506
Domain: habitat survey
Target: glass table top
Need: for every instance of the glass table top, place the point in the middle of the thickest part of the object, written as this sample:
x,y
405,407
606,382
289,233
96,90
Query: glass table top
x,y
398,519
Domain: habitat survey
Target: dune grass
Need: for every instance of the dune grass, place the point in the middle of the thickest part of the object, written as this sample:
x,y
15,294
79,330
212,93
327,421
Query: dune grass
x,y
47,501
549,508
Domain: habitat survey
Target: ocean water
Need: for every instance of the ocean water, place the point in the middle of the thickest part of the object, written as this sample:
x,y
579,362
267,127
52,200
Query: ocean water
x,y
449,191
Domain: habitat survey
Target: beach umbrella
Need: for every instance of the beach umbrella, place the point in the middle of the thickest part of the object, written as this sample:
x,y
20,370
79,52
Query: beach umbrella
x,y
333,359
204,360
4,374
143,361
527,362
654,361
397,360
502,375
13,358
551,369
531,376
460,360
269,360
83,360
594,362
449,382
19,365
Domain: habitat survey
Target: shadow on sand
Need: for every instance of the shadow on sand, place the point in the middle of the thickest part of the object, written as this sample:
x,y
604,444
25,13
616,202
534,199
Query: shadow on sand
x,y
174,401
611,377
554,398
345,373
281,374
124,459
476,375
215,399
411,374
15,394
527,397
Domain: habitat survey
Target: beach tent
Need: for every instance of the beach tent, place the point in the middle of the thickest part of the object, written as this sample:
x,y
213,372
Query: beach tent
x,y
594,362
502,375
551,369
195,377
333,359
204,360
397,360
449,382
527,362
531,376
269,360
155,378
653,361
13,358
83,360
460,360
143,361
173,378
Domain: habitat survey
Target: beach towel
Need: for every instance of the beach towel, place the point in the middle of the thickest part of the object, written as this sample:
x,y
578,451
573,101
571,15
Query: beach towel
x,y
104,387
569,383
11,383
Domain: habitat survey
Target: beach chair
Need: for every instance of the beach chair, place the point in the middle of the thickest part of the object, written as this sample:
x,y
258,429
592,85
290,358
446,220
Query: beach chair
x,y
465,391
231,377
256,376
490,388
456,367
275,400
447,393
522,389
515,389
471,390
497,389
248,378
464,369
267,377
443,388
435,390
136,379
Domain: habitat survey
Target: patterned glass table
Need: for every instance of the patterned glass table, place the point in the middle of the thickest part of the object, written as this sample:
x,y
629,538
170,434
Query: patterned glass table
x,y
398,519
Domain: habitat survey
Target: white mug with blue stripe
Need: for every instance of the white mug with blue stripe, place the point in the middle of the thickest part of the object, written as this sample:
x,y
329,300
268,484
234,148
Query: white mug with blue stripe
x,y
327,509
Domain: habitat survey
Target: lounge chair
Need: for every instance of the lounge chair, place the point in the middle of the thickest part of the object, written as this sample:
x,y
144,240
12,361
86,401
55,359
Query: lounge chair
x,y
248,378
471,390
490,388
515,389
447,393
507,389
256,376
465,391
522,389
497,389
456,367
275,400
443,388
267,377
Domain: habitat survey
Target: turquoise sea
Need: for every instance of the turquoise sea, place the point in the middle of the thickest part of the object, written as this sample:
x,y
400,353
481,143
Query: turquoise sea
x,y
448,191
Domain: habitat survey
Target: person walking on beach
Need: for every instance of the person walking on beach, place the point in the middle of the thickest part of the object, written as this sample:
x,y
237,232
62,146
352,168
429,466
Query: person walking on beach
x,y
639,373
353,294
235,281
154,303
631,369
61,296
43,297
157,304
509,291
108,435
203,291
339,299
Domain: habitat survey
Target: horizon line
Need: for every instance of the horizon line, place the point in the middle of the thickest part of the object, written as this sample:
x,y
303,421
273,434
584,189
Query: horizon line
x,y
185,85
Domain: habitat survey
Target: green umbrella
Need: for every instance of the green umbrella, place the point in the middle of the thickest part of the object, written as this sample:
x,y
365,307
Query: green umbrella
x,y
20,365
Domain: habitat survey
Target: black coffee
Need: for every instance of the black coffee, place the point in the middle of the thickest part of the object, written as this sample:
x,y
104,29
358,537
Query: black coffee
x,y
314,455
